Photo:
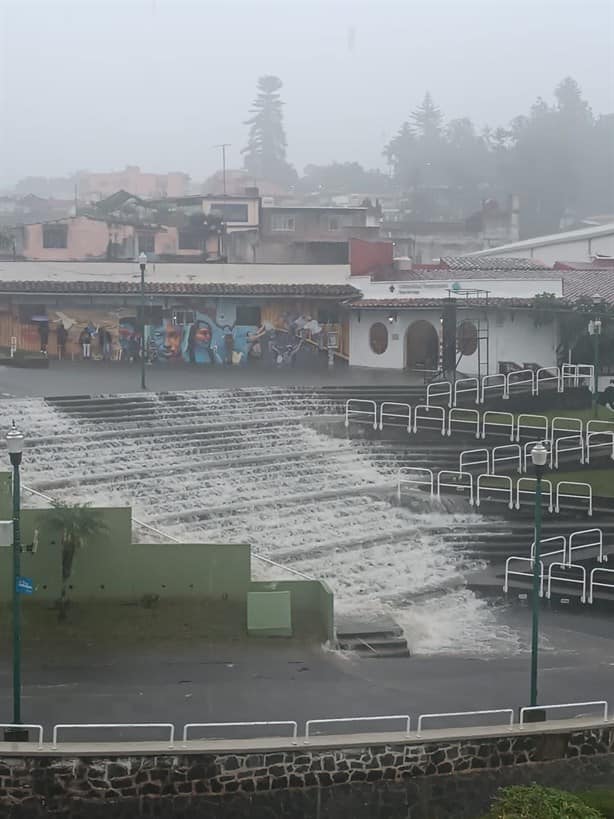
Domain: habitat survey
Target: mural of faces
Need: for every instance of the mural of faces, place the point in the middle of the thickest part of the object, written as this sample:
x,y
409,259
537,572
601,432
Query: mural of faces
x,y
166,339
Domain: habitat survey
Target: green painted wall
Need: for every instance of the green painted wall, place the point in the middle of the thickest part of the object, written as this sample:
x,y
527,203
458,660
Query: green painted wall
x,y
312,605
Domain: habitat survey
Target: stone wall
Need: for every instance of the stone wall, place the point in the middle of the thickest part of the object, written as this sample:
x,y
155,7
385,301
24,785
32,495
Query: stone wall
x,y
405,779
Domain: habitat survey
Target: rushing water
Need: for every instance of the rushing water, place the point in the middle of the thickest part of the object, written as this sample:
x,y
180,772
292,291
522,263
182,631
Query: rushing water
x,y
252,466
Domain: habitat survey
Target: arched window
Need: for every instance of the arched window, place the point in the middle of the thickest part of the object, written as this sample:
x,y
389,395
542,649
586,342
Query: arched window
x,y
378,338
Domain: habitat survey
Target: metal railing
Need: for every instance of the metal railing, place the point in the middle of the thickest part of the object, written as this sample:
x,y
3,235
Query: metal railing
x,y
560,494
547,491
498,381
558,449
597,422
260,724
522,378
531,562
542,427
596,542
556,427
593,582
554,539
601,703
455,484
403,480
609,443
311,722
578,373
426,416
507,424
29,726
455,416
464,463
445,391
560,579
370,411
102,725
545,374
473,388
387,413
509,712
512,452
507,490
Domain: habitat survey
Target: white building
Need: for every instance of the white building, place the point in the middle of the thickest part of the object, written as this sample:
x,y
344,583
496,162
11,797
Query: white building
x,y
581,245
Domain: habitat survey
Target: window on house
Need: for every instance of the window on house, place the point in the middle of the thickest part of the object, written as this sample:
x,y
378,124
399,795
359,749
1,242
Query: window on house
x,y
282,222
190,240
334,223
230,211
180,316
378,338
147,242
55,236
248,316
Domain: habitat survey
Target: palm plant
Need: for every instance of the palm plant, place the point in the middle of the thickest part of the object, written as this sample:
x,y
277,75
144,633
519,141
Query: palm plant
x,y
77,524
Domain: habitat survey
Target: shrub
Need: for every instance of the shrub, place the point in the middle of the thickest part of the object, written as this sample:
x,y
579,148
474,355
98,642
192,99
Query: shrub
x,y
536,802
600,800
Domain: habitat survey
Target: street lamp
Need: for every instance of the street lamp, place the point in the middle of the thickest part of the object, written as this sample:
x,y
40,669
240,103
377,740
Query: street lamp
x,y
14,445
594,330
539,456
143,265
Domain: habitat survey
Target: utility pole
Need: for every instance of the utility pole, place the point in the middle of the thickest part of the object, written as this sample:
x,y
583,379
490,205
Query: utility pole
x,y
223,146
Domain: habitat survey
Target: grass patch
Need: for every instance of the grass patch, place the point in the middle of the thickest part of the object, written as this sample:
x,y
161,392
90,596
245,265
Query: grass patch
x,y
601,800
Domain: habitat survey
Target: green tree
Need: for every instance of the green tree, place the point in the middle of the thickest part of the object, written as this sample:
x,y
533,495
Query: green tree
x,y
343,177
76,524
265,152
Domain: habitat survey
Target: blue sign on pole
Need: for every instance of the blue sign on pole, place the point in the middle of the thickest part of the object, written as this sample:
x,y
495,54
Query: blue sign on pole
x,y
25,585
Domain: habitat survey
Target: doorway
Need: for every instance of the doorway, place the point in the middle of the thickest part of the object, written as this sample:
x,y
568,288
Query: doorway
x,y
421,346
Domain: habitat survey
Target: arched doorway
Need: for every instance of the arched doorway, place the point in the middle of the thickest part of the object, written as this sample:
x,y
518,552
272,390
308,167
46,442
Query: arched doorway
x,y
422,346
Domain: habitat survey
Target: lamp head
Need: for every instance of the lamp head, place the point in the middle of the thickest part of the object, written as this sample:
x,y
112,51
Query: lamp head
x,y
539,455
142,261
14,444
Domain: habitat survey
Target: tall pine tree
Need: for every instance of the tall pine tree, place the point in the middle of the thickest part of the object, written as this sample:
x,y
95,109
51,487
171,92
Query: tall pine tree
x,y
265,152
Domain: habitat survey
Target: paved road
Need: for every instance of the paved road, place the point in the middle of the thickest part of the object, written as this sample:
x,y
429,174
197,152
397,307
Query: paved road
x,y
99,377
268,680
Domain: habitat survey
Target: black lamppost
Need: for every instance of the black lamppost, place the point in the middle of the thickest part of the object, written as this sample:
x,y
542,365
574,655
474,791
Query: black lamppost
x,y
14,445
143,265
539,456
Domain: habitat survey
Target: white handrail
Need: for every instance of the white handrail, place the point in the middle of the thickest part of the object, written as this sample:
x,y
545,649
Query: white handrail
x,y
543,427
384,413
553,539
560,494
516,456
447,392
499,380
311,722
593,582
38,728
168,725
475,382
528,381
608,443
526,708
546,491
567,579
601,558
598,422
509,491
508,711
419,482
576,372
508,423
548,377
483,461
557,450
371,412
531,563
455,485
473,421
420,417
556,427
260,724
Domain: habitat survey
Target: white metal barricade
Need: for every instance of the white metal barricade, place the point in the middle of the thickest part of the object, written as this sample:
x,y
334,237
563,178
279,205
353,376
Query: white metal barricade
x,y
526,452
366,408
601,703
542,427
466,459
311,722
511,452
546,491
560,494
509,713
33,726
388,410
548,374
563,425
559,448
596,540
574,375
591,426
599,440
403,478
547,540
439,389
497,381
572,580
455,416
521,378
488,421
470,385
422,413
455,484
593,582
167,726
528,560
287,723
507,490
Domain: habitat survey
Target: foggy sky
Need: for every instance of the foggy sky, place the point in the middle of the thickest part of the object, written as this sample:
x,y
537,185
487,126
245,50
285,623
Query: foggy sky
x,y
99,84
